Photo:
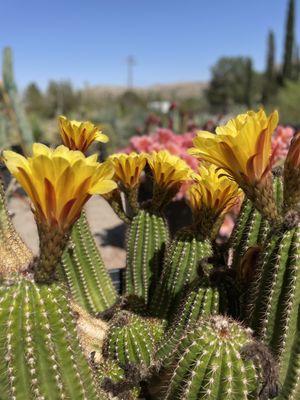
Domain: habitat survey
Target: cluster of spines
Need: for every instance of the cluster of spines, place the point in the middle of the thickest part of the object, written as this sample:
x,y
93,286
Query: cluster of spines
x,y
202,300
42,357
275,295
130,340
85,272
181,264
251,228
209,364
14,253
146,241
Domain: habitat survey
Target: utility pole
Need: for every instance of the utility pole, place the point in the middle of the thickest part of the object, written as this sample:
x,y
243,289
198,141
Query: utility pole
x,y
130,61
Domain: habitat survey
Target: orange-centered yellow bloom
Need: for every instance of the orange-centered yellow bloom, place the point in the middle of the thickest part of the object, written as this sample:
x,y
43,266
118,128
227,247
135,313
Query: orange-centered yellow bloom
x,y
242,147
212,192
128,168
168,170
59,182
78,135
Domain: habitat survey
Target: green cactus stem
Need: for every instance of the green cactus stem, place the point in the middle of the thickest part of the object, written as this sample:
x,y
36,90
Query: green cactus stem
x,y
180,268
202,300
41,357
15,256
275,295
251,228
130,340
210,364
146,240
291,385
87,277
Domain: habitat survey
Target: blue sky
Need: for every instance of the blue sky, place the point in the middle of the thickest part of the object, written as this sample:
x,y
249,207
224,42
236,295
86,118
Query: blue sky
x,y
88,41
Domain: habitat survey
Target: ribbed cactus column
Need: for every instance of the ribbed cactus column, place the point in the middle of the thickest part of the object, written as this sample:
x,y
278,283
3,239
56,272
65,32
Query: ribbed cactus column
x,y
146,240
40,354
202,300
130,340
85,272
210,364
251,228
291,385
14,255
275,294
180,268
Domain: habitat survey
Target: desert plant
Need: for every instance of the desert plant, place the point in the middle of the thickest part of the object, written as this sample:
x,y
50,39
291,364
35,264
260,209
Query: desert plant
x,y
189,324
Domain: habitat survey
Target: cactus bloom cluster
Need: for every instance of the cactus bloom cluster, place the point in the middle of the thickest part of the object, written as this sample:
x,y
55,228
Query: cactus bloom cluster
x,y
195,320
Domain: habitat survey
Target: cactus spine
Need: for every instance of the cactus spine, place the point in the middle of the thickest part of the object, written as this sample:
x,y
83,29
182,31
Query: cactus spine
x,y
146,240
210,365
85,272
41,356
180,268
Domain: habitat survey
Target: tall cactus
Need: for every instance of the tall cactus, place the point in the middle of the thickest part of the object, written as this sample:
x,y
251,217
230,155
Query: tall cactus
x,y
85,272
146,240
12,100
40,353
275,295
181,264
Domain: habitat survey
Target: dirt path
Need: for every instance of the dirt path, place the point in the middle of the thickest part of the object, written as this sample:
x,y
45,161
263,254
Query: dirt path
x,y
108,229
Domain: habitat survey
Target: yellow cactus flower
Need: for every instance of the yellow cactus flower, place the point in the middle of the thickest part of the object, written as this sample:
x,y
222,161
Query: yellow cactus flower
x,y
168,170
212,190
59,182
78,135
169,173
210,196
242,148
128,168
291,176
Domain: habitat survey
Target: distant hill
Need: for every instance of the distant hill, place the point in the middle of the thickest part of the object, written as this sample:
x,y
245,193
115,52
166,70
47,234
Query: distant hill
x,y
166,91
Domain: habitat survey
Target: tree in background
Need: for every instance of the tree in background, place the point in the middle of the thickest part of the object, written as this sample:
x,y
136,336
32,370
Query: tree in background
x,y
270,78
248,82
61,98
287,68
233,82
34,99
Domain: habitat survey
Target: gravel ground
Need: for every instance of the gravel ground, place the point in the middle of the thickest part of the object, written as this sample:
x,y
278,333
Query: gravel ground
x,y
108,229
